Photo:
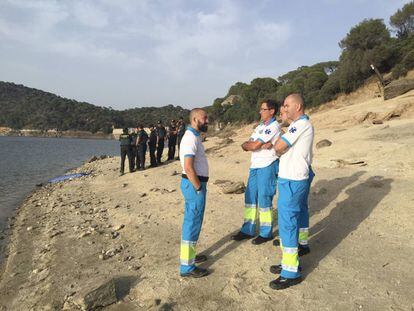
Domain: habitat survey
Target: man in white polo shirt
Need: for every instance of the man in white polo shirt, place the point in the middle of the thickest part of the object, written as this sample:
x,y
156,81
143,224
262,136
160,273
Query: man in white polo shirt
x,y
261,185
304,215
295,149
194,188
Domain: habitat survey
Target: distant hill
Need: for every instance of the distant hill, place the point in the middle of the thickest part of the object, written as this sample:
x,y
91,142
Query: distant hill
x,y
24,107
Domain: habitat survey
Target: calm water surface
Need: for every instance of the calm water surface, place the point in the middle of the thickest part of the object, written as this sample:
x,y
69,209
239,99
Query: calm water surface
x,y
27,161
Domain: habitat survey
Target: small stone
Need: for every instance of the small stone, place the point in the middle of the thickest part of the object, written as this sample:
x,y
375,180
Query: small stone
x,y
124,185
323,143
84,234
29,228
119,227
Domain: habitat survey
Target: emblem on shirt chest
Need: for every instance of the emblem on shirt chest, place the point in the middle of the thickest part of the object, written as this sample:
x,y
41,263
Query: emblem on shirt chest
x,y
292,130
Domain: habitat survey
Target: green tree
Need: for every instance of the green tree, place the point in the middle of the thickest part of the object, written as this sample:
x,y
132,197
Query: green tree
x,y
367,43
403,21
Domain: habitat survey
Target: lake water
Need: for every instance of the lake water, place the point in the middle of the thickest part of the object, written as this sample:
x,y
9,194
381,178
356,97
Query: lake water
x,y
27,161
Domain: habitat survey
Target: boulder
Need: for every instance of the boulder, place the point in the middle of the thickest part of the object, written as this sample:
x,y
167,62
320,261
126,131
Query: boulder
x,y
398,87
323,143
233,188
102,296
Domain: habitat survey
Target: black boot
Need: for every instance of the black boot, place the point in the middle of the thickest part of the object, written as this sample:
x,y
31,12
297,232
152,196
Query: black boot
x,y
241,236
196,273
282,283
260,240
303,250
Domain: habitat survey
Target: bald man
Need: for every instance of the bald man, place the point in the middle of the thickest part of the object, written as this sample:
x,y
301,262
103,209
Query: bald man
x,y
295,151
303,248
194,188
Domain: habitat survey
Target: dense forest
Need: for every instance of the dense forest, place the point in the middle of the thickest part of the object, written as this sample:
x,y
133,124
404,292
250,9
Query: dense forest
x,y
368,43
23,107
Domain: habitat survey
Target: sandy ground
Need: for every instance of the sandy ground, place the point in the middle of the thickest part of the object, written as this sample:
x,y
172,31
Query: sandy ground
x,y
361,228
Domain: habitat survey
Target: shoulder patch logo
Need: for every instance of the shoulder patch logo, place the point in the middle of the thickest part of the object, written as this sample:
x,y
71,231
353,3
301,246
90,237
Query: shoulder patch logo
x,y
292,130
268,131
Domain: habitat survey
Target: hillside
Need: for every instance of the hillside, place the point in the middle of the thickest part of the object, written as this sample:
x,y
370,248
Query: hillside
x,y
70,238
23,107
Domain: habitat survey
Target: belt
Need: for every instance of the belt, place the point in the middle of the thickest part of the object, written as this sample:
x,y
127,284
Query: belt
x,y
201,178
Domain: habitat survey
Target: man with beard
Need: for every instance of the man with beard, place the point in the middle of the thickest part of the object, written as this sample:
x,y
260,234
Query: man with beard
x,y
194,188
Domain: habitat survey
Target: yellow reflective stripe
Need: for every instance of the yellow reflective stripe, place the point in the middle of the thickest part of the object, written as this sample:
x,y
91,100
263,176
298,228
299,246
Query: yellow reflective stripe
x,y
290,259
265,215
187,252
303,237
250,213
289,268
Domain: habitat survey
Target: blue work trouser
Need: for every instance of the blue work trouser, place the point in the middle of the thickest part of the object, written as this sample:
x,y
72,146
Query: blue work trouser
x,y
304,214
290,205
195,203
261,187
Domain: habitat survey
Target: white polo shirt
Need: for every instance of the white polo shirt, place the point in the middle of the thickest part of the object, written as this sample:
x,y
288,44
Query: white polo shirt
x,y
265,133
191,146
294,164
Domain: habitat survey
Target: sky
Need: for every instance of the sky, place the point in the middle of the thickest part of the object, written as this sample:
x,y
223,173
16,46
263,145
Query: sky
x,y
139,53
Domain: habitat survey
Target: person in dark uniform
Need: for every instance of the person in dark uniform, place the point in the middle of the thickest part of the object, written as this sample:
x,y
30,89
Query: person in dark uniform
x,y
134,153
125,140
180,133
141,147
161,133
172,140
152,144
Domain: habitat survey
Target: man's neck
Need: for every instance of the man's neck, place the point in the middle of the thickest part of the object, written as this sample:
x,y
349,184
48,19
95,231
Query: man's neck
x,y
299,116
195,128
267,121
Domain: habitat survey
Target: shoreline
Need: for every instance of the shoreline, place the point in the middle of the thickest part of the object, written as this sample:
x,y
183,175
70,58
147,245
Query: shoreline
x,y
68,134
69,238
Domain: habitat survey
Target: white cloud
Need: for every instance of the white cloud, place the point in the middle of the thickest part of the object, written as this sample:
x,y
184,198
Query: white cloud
x,y
175,41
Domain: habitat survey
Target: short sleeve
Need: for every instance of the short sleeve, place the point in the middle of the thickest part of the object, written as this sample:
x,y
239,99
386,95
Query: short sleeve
x,y
294,132
269,132
188,146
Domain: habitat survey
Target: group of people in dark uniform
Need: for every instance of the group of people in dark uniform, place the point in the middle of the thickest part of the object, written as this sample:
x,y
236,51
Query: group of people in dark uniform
x,y
134,145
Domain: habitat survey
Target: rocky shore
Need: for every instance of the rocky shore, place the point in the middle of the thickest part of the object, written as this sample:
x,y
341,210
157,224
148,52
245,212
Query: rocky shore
x,y
104,241
5,131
